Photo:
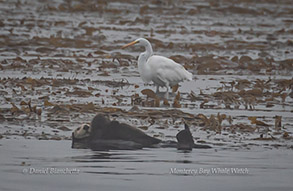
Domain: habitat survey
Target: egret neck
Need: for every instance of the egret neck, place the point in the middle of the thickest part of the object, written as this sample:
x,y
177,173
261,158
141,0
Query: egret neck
x,y
143,68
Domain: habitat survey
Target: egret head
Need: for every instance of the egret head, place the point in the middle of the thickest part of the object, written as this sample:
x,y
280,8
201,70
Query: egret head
x,y
82,132
139,41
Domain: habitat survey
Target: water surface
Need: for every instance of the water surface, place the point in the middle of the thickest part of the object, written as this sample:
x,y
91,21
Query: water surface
x,y
147,169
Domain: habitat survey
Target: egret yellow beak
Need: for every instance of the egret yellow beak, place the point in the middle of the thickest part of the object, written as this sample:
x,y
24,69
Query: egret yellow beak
x,y
130,44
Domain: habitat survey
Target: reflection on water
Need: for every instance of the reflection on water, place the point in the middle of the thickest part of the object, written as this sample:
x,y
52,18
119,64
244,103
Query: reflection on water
x,y
29,164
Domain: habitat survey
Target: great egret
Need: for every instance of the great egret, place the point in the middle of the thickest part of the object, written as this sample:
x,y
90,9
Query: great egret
x,y
163,71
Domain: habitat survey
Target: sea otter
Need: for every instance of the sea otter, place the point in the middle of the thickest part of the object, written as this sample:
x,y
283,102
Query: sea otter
x,y
103,134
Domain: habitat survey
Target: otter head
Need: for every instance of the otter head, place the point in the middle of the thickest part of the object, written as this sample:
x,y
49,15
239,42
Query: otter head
x,y
82,132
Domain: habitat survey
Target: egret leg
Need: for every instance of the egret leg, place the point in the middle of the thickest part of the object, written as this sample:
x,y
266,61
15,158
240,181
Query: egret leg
x,y
167,92
157,91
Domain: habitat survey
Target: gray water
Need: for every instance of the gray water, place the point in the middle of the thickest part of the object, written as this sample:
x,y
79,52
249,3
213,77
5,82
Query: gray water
x,y
53,165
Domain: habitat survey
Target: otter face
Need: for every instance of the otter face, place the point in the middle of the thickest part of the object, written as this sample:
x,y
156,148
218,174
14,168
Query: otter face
x,y
82,132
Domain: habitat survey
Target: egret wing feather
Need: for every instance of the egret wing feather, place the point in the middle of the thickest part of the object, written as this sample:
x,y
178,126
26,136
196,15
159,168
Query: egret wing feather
x,y
167,71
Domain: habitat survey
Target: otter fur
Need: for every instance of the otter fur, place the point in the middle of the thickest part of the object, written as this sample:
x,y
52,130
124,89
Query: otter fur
x,y
104,134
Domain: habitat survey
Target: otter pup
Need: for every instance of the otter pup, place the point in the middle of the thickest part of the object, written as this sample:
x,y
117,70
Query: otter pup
x,y
185,139
103,134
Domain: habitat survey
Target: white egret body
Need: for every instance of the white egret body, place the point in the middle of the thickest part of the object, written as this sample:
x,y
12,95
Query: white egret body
x,y
162,71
